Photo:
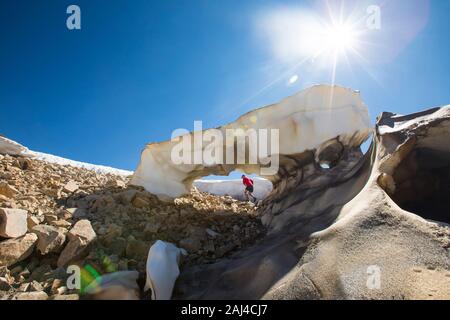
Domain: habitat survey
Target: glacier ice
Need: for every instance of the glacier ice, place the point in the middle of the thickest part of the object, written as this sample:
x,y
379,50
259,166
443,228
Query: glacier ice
x,y
309,120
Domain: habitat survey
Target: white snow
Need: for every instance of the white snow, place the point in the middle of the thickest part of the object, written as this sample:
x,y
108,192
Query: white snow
x,y
162,269
234,188
11,147
78,164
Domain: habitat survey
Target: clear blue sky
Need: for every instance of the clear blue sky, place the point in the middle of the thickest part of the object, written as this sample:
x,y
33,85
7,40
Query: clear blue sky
x,y
139,69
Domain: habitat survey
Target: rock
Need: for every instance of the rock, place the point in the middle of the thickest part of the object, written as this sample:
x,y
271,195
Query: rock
x,y
61,223
49,218
123,265
42,273
4,284
31,286
137,249
140,201
71,186
16,270
24,163
212,233
32,221
77,213
118,246
103,204
72,296
13,222
191,244
126,197
50,239
56,284
209,246
37,295
4,271
25,273
111,233
33,264
228,200
116,184
80,237
7,190
65,214
61,290
6,279
15,250
196,232
223,250
152,227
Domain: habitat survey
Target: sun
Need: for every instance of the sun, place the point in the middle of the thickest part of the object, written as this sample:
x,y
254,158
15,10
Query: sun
x,y
339,38
318,42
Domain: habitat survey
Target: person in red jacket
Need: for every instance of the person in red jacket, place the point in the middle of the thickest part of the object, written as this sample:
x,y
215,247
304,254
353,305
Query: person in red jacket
x,y
248,183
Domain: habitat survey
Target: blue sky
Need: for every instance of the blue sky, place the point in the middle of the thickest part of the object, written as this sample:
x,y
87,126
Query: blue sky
x,y
139,69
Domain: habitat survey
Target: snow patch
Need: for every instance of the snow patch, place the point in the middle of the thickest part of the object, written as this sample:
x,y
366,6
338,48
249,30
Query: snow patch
x,y
78,164
13,148
234,188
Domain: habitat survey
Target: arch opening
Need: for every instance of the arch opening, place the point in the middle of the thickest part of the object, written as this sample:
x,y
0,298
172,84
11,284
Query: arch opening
x,y
231,185
422,184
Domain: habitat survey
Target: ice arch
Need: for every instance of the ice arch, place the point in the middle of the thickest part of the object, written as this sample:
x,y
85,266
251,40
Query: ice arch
x,y
315,126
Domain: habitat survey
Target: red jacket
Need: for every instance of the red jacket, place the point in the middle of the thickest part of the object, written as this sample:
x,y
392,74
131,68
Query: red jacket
x,y
247,182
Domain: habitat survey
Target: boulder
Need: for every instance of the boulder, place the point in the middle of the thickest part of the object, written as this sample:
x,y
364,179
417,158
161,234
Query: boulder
x,y
137,249
191,244
31,286
13,222
118,246
111,233
71,186
61,223
116,184
140,201
80,237
152,227
4,284
126,197
50,239
212,233
32,221
76,213
49,218
43,272
24,163
7,190
15,250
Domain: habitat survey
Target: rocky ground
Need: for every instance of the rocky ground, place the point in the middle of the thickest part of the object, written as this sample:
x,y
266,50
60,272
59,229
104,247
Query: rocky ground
x,y
52,216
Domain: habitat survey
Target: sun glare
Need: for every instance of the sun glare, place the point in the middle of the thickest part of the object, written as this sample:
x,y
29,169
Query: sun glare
x,y
339,38
317,40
